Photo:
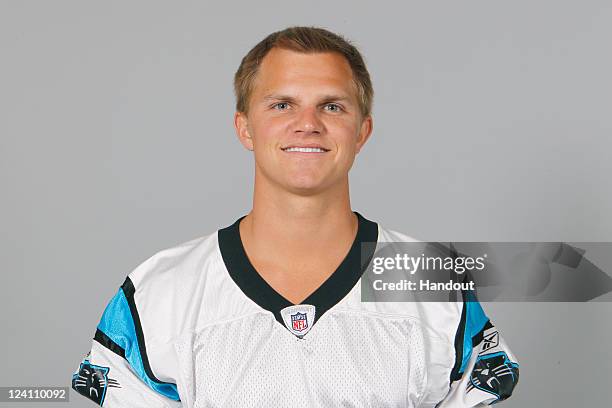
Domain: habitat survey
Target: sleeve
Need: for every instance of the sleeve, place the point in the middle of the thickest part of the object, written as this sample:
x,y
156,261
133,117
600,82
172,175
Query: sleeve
x,y
485,370
116,372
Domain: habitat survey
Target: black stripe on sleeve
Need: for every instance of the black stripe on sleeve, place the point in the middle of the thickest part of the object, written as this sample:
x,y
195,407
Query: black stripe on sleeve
x,y
129,290
477,339
106,341
455,375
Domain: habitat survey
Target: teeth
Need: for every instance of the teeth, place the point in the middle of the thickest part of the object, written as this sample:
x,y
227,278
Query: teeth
x,y
305,149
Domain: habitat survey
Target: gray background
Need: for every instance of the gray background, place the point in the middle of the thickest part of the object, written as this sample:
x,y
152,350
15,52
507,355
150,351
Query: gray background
x,y
492,123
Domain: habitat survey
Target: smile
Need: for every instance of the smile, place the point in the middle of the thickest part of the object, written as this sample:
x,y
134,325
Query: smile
x,y
305,149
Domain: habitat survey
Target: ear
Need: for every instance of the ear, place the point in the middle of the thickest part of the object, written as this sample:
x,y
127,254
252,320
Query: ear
x,y
367,126
242,130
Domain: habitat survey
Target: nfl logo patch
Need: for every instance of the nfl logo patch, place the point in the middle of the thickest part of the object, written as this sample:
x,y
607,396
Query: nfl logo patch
x,y
298,319
299,322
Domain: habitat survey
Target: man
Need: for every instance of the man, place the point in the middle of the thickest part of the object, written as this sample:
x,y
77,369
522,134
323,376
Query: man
x,y
267,312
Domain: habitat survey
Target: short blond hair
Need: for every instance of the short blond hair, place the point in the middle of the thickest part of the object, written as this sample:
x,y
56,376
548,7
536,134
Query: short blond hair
x,y
305,40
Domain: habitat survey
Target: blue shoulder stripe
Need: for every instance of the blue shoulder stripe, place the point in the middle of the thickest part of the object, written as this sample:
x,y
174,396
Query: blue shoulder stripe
x,y
121,324
475,321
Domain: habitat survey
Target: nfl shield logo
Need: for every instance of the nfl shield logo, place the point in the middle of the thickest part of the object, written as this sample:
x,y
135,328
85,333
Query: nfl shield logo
x,y
299,322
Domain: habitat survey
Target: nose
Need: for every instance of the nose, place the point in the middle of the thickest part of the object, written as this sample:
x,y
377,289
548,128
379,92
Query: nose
x,y
308,122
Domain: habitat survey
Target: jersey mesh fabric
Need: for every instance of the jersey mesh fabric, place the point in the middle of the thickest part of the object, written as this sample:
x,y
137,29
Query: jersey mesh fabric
x,y
343,361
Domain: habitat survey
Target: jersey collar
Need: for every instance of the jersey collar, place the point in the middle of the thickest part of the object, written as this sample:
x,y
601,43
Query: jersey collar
x,y
332,291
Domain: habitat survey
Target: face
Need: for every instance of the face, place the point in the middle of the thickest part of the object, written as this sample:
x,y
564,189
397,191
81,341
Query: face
x,y
304,124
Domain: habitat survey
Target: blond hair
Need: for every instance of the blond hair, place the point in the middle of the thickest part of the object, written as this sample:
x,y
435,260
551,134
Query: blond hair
x,y
305,40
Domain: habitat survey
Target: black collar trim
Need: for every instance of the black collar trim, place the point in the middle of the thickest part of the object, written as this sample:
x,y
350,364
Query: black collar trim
x,y
332,291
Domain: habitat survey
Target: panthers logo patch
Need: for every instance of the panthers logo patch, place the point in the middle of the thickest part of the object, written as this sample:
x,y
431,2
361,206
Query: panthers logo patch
x,y
494,373
92,381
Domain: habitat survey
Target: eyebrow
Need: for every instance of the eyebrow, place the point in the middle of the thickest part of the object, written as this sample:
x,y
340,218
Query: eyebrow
x,y
328,97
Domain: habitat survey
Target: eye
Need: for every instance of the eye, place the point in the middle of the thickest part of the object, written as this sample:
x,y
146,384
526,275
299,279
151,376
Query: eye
x,y
280,106
333,107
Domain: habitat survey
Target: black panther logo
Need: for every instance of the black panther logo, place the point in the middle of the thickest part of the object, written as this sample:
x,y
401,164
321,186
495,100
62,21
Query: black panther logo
x,y
92,381
494,373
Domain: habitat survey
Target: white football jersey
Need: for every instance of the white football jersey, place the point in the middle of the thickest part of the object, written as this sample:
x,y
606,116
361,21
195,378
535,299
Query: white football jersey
x,y
197,326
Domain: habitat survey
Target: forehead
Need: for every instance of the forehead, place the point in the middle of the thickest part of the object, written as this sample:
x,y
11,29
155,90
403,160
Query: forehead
x,y
289,70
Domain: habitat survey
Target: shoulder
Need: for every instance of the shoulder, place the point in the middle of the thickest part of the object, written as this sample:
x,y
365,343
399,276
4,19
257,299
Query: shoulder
x,y
389,235
168,266
161,290
444,318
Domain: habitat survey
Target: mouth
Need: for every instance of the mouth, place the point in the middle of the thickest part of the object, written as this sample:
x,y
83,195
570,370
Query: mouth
x,y
304,149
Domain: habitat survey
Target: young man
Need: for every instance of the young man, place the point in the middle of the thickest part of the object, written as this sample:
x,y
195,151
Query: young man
x,y
267,312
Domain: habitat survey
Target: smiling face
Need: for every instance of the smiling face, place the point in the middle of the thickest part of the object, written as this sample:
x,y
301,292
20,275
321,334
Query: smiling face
x,y
304,124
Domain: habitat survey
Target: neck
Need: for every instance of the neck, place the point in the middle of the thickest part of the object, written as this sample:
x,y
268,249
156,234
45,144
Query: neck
x,y
299,223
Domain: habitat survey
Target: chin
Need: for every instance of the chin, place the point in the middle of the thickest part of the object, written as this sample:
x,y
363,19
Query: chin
x,y
307,186
305,189
302,184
